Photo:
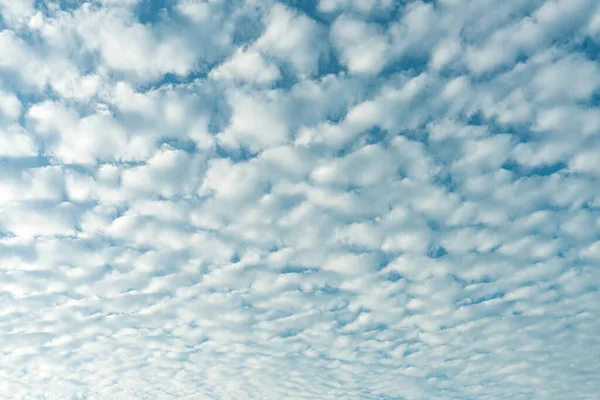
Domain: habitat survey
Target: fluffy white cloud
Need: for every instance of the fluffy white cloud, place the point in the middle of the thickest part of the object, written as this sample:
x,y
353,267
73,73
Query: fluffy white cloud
x,y
265,199
16,142
16,12
129,46
293,38
247,66
363,48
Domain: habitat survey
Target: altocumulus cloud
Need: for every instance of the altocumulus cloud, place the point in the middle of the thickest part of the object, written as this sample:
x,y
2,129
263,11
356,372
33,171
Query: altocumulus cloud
x,y
326,199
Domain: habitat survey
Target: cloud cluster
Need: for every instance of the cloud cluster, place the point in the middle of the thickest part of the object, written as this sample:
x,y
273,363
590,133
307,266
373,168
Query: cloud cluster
x,y
339,199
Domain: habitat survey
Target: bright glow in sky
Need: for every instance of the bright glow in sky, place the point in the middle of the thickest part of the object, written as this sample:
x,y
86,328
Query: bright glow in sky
x,y
300,199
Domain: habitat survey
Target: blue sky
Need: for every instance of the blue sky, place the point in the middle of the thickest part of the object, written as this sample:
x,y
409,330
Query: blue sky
x,y
329,199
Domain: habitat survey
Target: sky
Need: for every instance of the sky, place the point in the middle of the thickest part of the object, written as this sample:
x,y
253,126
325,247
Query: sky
x,y
300,199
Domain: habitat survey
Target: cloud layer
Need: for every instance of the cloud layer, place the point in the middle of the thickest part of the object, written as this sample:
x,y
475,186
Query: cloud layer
x,y
334,199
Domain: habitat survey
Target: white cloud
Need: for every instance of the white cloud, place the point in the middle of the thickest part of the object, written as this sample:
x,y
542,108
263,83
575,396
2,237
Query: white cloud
x,y
16,12
293,38
189,208
35,184
585,80
131,46
445,52
72,138
257,120
363,48
247,66
10,106
586,161
16,142
550,21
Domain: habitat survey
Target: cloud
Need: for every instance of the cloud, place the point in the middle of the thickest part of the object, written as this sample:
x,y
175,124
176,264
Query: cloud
x,y
16,142
280,199
292,38
362,48
247,66
363,6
